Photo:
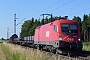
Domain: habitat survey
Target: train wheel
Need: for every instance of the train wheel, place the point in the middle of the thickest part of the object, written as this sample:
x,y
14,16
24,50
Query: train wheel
x,y
59,51
79,50
41,47
55,51
51,48
38,47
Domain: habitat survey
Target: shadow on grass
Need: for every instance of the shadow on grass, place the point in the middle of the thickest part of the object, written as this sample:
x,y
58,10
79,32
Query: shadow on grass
x,y
82,54
1,42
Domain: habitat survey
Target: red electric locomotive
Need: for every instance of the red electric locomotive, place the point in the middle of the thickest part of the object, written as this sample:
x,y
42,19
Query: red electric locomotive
x,y
58,35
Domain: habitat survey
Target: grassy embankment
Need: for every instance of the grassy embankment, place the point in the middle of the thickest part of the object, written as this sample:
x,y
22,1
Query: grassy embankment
x,y
86,46
2,55
15,52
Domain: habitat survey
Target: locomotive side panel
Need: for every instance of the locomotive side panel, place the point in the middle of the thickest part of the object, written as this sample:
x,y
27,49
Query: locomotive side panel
x,y
46,34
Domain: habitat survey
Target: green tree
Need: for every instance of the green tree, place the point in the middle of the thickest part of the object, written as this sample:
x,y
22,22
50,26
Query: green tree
x,y
25,28
84,26
88,20
84,29
32,29
46,20
42,21
3,38
77,19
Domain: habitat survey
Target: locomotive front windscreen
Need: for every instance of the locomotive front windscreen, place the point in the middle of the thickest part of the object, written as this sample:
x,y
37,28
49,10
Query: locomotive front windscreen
x,y
69,28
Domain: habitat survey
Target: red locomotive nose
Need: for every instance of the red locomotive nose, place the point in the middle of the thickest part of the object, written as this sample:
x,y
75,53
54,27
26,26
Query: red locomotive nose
x,y
70,38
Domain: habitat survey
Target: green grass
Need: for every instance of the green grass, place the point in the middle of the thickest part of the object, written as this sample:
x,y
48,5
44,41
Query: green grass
x,y
1,41
6,52
15,52
11,55
86,43
86,46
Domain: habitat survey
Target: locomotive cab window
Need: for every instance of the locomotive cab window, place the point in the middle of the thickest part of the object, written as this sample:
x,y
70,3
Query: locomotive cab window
x,y
55,28
69,28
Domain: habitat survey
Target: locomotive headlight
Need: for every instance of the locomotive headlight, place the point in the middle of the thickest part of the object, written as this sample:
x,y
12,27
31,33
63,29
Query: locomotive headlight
x,y
60,37
79,39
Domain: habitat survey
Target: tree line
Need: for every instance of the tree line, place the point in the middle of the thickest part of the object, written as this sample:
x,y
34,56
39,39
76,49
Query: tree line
x,y
28,27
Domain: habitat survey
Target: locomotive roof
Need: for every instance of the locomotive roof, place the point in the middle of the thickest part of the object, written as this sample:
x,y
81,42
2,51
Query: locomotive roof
x,y
60,21
63,21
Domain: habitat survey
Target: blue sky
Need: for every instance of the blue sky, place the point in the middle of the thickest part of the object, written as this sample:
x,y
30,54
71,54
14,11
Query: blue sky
x,y
33,8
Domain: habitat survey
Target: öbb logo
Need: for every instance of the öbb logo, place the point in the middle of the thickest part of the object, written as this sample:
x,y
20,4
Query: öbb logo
x,y
70,39
47,33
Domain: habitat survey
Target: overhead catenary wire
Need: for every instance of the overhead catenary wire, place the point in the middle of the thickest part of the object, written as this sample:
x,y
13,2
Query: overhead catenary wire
x,y
20,22
51,5
76,6
47,7
55,8
79,11
11,30
62,5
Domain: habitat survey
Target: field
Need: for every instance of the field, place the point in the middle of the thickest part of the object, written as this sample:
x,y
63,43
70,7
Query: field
x,y
86,46
14,52
2,55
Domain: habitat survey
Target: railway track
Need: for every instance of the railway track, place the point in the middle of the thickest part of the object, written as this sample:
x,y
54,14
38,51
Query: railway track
x,y
66,57
84,55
